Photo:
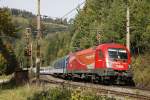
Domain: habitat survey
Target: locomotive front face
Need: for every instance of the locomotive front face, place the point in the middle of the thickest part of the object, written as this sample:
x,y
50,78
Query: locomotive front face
x,y
117,59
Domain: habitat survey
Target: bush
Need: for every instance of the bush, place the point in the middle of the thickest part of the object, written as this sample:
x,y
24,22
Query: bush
x,y
68,94
141,70
52,94
3,64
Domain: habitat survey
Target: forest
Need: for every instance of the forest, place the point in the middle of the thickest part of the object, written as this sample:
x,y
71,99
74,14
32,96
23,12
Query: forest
x,y
106,18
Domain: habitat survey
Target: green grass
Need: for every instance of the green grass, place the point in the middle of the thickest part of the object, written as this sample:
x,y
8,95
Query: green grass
x,y
19,93
33,92
2,77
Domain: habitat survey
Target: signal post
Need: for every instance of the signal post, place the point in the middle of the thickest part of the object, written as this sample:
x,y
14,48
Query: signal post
x,y
22,75
28,49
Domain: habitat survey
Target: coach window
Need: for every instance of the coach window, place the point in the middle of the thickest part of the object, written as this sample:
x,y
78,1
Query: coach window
x,y
66,61
101,54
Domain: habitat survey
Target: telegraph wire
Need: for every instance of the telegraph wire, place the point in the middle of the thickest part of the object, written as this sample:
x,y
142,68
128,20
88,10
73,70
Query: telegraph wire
x,y
72,10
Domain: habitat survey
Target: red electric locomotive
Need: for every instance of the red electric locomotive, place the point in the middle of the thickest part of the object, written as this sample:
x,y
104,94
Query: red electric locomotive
x,y
108,63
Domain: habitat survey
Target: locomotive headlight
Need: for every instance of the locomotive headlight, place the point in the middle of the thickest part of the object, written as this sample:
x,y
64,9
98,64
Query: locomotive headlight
x,y
109,64
129,66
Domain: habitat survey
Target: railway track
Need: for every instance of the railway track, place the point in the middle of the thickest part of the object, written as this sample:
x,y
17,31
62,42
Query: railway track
x,y
135,94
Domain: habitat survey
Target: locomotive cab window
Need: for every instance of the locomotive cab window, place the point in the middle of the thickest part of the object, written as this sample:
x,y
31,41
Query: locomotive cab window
x,y
117,53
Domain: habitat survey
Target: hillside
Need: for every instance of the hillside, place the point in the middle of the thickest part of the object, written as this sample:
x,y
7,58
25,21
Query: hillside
x,y
56,35
24,19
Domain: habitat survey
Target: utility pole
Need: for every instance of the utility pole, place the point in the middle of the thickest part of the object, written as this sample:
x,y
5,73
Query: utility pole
x,y
38,54
128,28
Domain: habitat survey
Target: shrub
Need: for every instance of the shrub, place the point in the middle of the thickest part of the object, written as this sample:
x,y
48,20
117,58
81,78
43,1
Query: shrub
x,y
68,94
52,94
141,70
3,64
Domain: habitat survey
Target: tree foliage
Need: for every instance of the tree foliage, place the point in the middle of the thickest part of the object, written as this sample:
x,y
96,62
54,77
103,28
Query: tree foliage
x,y
55,46
2,63
108,18
6,26
7,30
103,18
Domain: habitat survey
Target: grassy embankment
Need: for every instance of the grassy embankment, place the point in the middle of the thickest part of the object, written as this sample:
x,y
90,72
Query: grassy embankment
x,y
18,93
34,92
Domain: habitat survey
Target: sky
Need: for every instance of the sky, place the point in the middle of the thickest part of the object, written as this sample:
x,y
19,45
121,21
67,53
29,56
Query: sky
x,y
52,8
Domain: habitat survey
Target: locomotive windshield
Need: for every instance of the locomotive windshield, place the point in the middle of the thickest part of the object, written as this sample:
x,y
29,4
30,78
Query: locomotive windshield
x,y
117,53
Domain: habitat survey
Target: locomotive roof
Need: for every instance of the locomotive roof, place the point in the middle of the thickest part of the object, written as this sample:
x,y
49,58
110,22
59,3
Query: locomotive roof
x,y
109,45
105,45
86,51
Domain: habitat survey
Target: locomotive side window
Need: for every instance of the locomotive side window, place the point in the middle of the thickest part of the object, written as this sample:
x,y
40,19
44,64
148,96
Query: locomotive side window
x,y
101,54
117,53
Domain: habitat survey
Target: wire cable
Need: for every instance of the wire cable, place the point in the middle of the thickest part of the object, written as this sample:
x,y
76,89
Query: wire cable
x,y
72,10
